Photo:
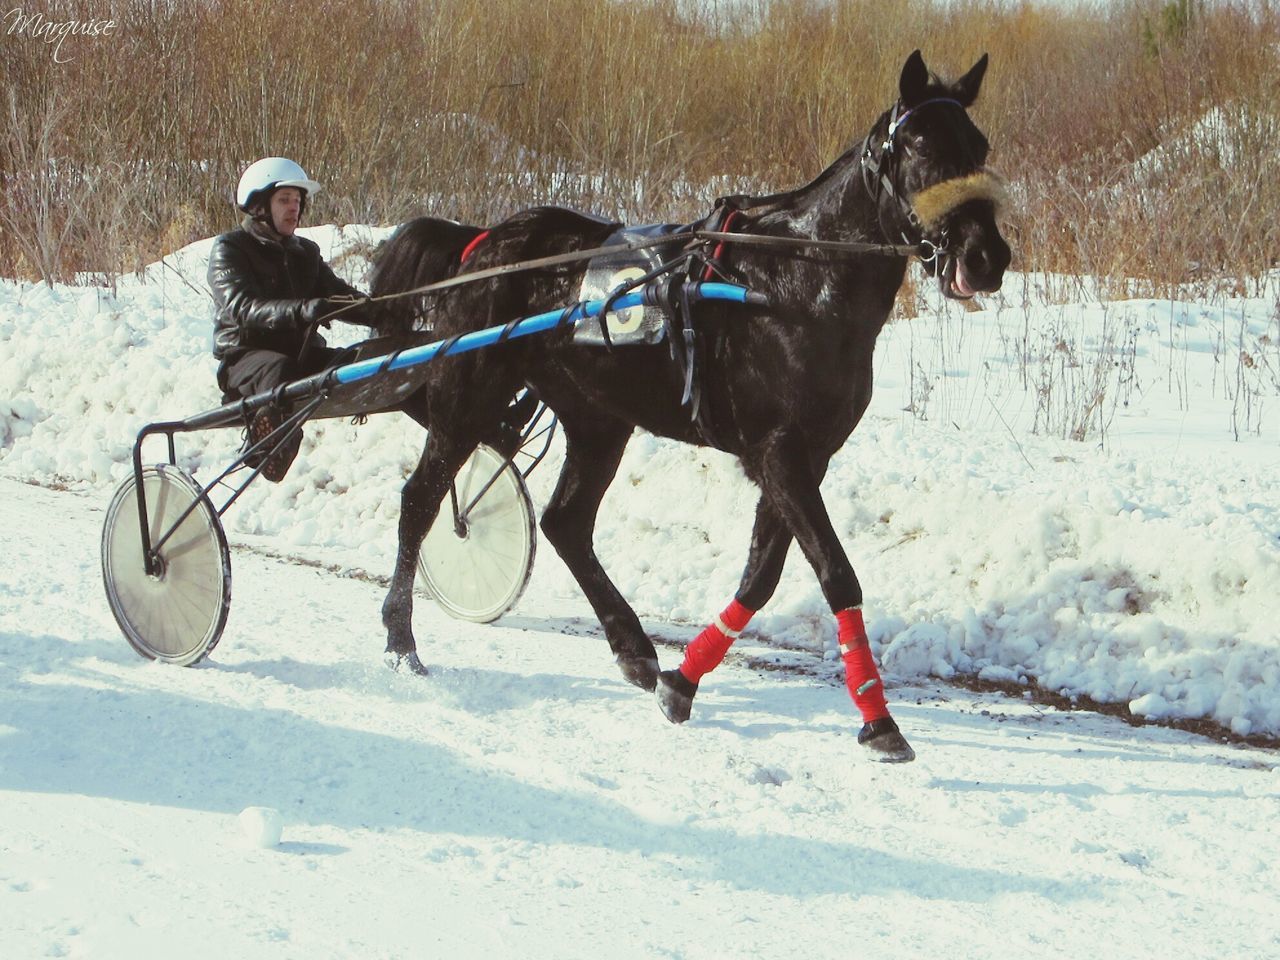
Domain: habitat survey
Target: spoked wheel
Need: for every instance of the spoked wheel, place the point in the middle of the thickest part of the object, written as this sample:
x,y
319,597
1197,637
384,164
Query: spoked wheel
x,y
175,613
476,559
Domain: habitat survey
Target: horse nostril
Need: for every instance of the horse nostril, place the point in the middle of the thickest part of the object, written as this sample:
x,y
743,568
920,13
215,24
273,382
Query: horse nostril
x,y
977,262
988,261
984,265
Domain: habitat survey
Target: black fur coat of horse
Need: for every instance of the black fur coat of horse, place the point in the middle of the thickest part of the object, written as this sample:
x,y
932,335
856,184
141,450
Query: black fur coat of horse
x,y
783,387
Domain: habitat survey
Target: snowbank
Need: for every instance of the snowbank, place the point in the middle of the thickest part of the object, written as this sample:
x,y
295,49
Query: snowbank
x,y
1140,565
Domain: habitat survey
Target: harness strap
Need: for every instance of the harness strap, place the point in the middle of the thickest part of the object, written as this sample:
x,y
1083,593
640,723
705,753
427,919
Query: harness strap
x,y
672,298
900,118
784,244
449,345
692,395
725,215
669,268
509,329
556,259
470,248
391,358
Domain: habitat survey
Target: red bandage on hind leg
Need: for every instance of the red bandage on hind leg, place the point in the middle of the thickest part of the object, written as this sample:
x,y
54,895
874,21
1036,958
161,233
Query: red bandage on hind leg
x,y
708,648
860,673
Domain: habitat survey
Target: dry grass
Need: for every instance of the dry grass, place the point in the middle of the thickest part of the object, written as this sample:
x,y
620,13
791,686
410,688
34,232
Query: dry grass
x,y
639,109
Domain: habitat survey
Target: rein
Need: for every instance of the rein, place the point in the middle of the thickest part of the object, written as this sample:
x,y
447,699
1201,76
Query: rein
x,y
842,246
572,256
746,239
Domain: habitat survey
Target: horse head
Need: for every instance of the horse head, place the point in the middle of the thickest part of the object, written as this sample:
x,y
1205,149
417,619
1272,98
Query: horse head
x,y
925,165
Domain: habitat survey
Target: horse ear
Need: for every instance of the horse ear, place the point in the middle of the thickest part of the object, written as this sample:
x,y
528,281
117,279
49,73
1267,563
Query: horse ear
x,y
966,88
914,80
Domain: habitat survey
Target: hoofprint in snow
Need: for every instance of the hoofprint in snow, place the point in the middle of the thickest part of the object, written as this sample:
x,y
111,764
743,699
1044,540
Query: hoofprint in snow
x,y
525,801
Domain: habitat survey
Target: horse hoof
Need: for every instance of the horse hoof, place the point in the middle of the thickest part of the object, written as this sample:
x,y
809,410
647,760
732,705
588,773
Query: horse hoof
x,y
405,663
643,672
885,743
675,695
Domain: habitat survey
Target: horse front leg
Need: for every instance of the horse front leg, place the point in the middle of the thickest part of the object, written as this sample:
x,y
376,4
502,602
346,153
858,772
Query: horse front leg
x,y
786,473
770,540
593,452
420,501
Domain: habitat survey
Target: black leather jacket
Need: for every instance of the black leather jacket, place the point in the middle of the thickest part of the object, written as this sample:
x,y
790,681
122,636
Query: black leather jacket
x,y
260,284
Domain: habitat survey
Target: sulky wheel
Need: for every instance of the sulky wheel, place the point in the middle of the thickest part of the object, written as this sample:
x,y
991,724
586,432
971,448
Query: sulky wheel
x,y
476,558
176,612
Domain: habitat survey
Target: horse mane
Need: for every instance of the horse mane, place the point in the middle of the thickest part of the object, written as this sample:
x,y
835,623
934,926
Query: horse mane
x,y
772,202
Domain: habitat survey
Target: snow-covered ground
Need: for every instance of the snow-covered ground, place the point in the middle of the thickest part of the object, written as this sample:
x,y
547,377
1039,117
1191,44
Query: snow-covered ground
x,y
526,801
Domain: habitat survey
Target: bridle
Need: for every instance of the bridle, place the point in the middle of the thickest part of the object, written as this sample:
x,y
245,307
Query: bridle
x,y
879,176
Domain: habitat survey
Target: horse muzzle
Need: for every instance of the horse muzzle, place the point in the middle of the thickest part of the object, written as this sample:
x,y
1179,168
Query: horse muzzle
x,y
970,255
977,268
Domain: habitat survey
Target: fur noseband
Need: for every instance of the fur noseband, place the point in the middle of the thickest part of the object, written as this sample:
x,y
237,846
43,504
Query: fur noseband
x,y
933,203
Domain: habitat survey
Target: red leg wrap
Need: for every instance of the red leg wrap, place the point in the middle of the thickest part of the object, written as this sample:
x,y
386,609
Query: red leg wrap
x,y
860,673
708,648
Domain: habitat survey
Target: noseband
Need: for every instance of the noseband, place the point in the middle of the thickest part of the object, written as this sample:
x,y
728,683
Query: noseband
x,y
925,210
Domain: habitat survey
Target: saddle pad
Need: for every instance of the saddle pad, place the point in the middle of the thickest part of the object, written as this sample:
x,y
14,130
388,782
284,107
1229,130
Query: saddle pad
x,y
637,325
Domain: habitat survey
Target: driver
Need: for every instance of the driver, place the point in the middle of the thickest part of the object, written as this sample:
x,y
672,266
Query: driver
x,y
271,289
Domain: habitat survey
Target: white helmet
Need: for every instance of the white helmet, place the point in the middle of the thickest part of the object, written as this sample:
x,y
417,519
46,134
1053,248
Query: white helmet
x,y
269,173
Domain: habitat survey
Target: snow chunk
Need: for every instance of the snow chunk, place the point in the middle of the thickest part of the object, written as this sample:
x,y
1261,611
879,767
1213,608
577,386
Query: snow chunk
x,y
261,826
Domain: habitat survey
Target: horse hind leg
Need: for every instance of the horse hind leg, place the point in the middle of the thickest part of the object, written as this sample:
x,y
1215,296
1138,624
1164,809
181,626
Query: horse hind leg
x,y
461,407
591,461
420,502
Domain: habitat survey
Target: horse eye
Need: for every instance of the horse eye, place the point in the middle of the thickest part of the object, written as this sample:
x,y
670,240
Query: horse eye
x,y
920,146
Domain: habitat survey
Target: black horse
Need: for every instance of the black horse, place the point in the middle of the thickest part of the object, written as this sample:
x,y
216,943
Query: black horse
x,y
781,386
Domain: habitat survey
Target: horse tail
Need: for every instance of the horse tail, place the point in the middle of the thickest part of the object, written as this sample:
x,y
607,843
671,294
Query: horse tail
x,y
422,251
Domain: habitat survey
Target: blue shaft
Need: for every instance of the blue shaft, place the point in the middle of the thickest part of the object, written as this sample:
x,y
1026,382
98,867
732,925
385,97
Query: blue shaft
x,y
538,323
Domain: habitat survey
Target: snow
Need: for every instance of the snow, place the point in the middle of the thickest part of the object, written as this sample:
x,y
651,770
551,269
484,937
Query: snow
x,y
261,826
1224,132
525,800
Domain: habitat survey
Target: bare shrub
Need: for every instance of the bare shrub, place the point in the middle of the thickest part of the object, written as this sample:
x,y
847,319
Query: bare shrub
x,y
644,110
40,196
